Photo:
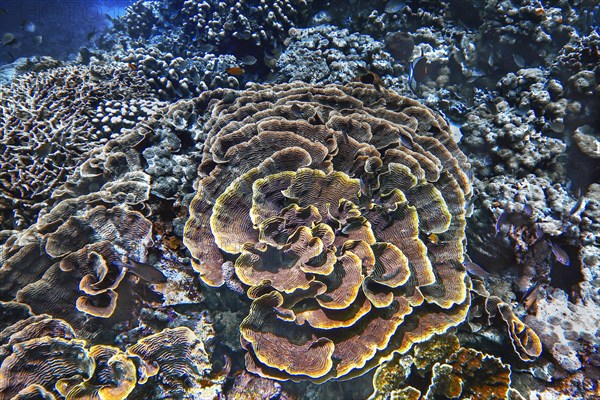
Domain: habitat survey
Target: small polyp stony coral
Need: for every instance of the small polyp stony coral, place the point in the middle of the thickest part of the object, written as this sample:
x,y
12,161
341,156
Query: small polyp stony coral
x,y
321,199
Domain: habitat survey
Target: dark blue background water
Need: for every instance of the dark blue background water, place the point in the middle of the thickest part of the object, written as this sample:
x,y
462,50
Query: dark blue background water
x,y
64,25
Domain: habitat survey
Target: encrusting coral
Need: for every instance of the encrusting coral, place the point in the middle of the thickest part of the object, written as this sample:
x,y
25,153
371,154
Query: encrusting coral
x,y
86,245
329,222
41,357
450,371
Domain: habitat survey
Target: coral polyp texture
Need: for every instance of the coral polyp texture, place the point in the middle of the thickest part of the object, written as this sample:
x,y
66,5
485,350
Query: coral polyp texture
x,y
341,210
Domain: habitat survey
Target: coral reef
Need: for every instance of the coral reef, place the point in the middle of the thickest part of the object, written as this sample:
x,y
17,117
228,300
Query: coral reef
x,y
336,176
41,356
327,225
175,78
51,121
249,387
325,54
227,22
453,372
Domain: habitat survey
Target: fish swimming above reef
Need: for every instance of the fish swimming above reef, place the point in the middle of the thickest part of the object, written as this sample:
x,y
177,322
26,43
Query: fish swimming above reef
x,y
28,26
419,68
475,270
393,6
147,272
8,39
560,254
249,60
530,296
235,71
500,221
92,35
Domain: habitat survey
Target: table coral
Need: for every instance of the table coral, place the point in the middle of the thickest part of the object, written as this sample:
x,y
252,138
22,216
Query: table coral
x,y
327,219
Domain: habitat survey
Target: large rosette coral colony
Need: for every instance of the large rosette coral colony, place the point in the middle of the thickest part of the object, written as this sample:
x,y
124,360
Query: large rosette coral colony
x,y
340,211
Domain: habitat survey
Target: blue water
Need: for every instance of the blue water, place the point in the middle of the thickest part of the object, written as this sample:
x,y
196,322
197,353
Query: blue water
x,y
64,25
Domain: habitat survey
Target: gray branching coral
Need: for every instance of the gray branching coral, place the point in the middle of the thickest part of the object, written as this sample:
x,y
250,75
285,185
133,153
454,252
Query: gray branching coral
x,y
51,121
342,209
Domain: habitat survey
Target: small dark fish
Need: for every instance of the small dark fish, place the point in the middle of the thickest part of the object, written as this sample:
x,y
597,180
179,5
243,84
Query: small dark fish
x,y
147,272
475,77
297,111
406,142
11,57
528,210
474,269
205,47
519,61
132,66
500,221
249,60
492,59
419,67
37,40
393,6
3,11
236,71
8,39
98,76
530,296
470,174
365,190
560,254
28,26
92,35
539,232
577,207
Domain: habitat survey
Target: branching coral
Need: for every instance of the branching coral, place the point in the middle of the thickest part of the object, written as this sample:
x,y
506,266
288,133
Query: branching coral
x,y
49,128
242,21
323,201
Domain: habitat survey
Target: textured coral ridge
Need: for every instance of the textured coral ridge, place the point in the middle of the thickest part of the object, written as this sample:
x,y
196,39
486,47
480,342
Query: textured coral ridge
x,y
41,355
342,208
